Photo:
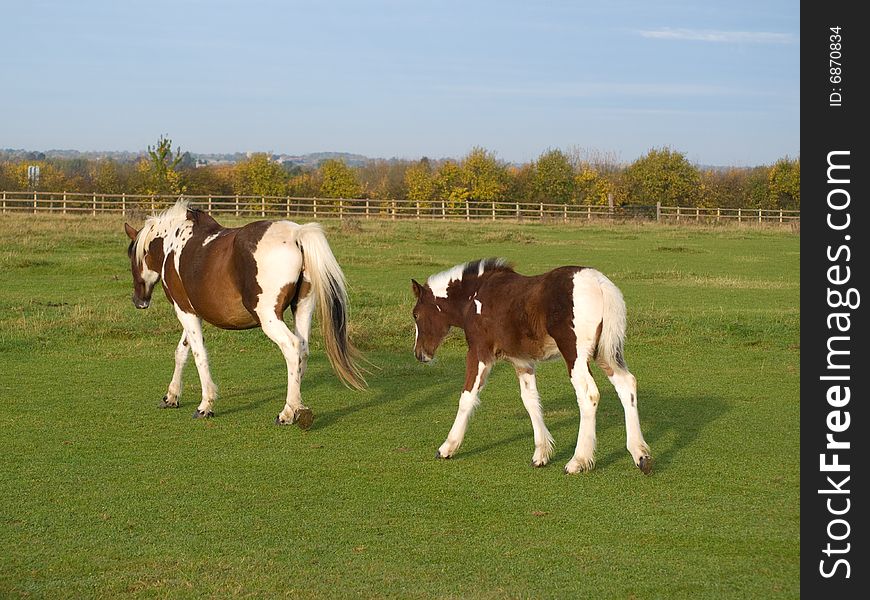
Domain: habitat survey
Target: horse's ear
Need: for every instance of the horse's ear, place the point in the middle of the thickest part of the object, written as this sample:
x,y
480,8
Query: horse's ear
x,y
131,233
417,289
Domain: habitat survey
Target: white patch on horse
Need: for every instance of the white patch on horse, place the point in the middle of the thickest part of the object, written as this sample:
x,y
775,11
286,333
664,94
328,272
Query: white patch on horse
x,y
278,263
210,238
479,305
439,282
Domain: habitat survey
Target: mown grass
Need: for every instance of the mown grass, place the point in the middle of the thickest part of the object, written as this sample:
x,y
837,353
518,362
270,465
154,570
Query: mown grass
x,y
104,495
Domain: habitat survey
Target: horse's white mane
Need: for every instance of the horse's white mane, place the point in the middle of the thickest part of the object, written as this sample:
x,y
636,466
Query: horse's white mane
x,y
159,225
439,282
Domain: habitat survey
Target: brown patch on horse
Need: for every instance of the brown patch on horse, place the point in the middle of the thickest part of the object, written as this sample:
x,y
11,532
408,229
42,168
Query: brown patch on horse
x,y
173,287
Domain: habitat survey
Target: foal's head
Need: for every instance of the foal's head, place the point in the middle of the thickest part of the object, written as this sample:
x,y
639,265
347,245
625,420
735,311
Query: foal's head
x,y
432,324
145,267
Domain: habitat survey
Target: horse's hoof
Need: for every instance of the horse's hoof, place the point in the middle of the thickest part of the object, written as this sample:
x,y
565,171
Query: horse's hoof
x,y
645,465
538,465
442,456
278,421
304,417
165,404
198,414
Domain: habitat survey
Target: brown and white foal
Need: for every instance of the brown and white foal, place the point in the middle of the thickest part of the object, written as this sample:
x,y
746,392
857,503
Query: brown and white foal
x,y
573,311
240,278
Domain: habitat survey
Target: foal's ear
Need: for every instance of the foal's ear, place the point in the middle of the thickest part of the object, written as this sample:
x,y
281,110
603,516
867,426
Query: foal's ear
x,y
417,289
131,233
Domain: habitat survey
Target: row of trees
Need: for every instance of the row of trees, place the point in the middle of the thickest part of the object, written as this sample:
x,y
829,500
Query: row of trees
x,y
577,177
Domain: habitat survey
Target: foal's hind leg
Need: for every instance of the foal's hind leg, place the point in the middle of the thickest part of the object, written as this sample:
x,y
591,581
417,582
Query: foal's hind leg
x,y
302,323
170,400
291,347
626,388
587,400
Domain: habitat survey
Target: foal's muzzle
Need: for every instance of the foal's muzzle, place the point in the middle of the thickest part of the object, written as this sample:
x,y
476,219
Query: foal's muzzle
x,y
423,357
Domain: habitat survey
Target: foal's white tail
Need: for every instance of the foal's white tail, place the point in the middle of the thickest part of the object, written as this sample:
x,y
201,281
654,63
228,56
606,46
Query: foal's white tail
x,y
329,287
612,340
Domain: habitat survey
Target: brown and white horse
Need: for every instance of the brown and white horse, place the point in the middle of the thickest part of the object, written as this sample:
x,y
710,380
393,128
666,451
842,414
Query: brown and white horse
x,y
573,311
240,278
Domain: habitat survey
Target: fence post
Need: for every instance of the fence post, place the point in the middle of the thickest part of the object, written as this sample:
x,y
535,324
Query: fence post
x,y
34,202
678,213
518,211
367,208
443,210
493,210
418,210
152,205
542,212
565,213
315,208
759,215
467,210
394,209
94,212
64,201
341,209
263,206
697,214
209,203
658,211
4,203
780,215
718,214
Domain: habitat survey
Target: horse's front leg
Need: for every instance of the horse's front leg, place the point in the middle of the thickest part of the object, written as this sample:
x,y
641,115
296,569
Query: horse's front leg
x,y
170,400
476,372
193,333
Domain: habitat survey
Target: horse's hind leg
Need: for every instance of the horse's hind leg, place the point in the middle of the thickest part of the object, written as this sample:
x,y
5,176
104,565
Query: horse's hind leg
x,y
626,387
291,347
306,303
170,400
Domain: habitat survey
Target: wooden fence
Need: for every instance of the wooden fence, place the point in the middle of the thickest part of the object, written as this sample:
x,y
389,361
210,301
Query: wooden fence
x,y
343,208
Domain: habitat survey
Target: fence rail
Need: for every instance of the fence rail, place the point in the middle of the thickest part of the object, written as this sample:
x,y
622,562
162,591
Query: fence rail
x,y
354,208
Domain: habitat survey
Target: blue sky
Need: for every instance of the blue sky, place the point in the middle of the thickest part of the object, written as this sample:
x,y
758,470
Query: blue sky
x,y
718,81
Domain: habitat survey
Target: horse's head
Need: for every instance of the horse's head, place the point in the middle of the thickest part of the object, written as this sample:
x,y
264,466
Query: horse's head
x,y
432,324
145,266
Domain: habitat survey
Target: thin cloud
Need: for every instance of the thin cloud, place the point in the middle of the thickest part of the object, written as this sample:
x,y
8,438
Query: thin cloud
x,y
722,37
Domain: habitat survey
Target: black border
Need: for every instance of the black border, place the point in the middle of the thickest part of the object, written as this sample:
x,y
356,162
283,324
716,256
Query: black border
x,y
826,128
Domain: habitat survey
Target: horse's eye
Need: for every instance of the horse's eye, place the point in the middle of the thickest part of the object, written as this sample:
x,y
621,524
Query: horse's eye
x,y
415,316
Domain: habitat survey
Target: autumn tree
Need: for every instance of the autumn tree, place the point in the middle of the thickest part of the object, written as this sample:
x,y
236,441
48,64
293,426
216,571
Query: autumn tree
x,y
338,180
784,182
158,172
420,181
663,175
259,176
484,178
553,179
450,184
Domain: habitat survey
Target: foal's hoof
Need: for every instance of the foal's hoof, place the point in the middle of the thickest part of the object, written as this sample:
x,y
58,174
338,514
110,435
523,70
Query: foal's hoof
x,y
645,465
538,464
442,456
198,414
165,404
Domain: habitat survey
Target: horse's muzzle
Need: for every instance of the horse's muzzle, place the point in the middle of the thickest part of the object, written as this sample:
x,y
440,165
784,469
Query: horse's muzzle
x,y
423,357
139,303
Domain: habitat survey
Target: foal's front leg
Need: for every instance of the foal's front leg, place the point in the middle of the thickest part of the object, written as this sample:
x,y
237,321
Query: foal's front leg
x,y
476,372
193,333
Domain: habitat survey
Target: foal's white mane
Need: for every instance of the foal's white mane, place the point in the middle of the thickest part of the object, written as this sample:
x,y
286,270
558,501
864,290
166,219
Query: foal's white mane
x,y
439,282
159,226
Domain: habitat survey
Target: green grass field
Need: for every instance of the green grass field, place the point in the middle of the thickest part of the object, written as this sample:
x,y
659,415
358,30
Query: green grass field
x,y
102,494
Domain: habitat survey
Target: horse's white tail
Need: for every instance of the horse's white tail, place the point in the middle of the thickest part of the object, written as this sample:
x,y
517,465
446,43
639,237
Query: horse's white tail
x,y
329,287
612,340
